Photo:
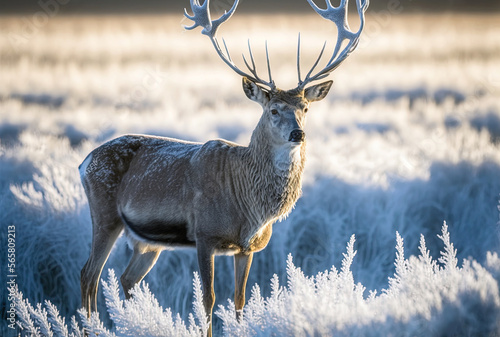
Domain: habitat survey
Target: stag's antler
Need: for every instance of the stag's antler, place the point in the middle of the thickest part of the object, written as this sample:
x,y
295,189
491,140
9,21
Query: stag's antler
x,y
337,15
201,17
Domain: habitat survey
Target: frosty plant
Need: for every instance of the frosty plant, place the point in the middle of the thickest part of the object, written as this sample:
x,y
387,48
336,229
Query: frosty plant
x,y
219,197
424,298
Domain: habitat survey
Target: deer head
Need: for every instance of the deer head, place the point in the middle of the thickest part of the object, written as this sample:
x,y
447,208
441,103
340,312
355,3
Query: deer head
x,y
284,110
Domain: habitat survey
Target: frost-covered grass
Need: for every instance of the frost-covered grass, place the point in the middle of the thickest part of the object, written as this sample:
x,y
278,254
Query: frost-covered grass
x,y
424,298
408,138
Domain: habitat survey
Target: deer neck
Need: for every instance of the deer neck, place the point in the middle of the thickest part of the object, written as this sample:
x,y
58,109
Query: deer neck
x,y
274,174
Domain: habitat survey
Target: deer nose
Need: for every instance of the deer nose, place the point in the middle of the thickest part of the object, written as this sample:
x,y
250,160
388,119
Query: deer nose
x,y
297,136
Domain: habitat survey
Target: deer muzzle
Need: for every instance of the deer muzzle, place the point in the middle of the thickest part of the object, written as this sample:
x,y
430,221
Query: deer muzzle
x,y
297,136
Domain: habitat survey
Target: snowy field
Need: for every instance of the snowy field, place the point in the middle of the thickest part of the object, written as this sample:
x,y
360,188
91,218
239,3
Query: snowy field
x,y
409,138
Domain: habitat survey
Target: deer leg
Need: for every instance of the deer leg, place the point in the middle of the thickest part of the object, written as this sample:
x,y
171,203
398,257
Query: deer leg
x,y
206,266
103,239
242,263
140,264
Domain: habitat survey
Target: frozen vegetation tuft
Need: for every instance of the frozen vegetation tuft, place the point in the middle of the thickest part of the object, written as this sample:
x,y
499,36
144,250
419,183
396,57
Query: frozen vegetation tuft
x,y
425,297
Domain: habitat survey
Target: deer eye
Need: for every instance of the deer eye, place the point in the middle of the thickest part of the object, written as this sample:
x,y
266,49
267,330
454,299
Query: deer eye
x,y
306,109
274,111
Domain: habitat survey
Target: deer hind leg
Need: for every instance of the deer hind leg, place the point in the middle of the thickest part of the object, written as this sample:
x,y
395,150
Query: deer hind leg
x,y
140,264
104,235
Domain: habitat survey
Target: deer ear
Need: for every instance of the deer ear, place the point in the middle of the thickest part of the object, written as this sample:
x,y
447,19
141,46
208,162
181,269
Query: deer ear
x,y
318,92
255,92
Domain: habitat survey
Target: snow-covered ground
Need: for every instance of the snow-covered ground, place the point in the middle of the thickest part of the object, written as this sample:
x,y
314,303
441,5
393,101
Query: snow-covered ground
x,y
408,138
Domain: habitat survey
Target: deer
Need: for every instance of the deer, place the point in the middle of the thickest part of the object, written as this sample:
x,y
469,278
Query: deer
x,y
217,197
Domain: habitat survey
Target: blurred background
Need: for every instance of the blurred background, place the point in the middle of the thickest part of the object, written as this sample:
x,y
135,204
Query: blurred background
x,y
408,138
248,6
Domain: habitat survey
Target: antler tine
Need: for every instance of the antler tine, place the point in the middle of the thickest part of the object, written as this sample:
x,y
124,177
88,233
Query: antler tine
x,y
337,15
298,60
201,18
269,66
227,50
317,61
253,69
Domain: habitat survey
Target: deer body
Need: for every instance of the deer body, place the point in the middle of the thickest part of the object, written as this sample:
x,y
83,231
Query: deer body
x,y
218,197
217,191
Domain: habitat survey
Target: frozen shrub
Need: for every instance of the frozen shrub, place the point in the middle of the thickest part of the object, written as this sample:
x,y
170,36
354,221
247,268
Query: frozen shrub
x,y
423,299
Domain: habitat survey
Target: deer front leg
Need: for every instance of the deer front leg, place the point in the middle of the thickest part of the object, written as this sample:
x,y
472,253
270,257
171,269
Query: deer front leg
x,y
242,263
206,266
